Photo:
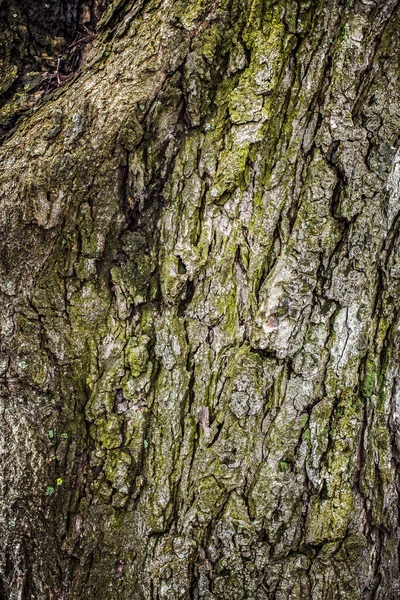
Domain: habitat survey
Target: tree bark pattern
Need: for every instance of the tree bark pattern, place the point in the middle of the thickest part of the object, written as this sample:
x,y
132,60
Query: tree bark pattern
x,y
200,310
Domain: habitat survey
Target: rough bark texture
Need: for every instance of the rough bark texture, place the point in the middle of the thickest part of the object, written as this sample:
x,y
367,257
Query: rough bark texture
x,y
200,307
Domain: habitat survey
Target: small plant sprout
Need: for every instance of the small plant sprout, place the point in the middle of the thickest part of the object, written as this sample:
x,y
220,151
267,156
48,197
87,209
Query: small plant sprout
x,y
59,481
49,491
64,436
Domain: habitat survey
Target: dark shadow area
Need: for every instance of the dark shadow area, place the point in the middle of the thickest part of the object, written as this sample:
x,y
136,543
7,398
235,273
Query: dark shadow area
x,y
42,44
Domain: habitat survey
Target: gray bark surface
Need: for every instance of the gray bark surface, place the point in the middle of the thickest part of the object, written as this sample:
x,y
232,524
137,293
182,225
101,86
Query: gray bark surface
x,y
199,288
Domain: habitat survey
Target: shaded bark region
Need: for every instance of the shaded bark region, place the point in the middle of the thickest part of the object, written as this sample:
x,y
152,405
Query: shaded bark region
x,y
202,319
42,43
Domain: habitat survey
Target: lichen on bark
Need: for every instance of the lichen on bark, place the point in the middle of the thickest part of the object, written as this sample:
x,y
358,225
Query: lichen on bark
x,y
200,300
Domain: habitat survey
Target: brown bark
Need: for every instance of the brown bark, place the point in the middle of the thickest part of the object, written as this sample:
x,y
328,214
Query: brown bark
x,y
200,305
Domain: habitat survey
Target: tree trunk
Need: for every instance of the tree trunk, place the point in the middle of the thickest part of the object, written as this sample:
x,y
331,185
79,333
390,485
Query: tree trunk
x,y
200,288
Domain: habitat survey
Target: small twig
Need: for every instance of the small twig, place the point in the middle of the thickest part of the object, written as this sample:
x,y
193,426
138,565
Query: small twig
x,y
58,70
83,39
90,33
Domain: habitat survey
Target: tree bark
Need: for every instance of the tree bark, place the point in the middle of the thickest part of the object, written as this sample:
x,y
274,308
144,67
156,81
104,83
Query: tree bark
x,y
200,295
